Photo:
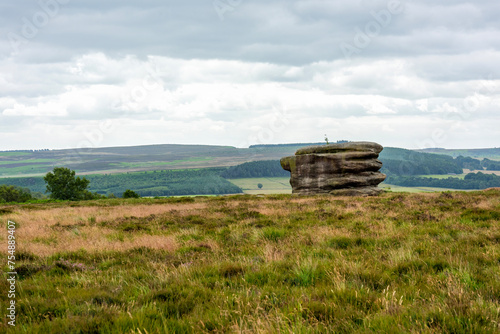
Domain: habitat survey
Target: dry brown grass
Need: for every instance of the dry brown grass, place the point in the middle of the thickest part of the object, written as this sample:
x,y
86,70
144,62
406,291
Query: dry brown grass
x,y
67,215
95,240
46,232
272,253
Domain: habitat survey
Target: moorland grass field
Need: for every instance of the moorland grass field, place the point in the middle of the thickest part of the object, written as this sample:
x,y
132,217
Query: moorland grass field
x,y
397,263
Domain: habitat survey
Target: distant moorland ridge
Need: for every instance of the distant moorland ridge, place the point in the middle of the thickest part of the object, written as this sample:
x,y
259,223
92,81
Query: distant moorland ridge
x,y
176,156
202,169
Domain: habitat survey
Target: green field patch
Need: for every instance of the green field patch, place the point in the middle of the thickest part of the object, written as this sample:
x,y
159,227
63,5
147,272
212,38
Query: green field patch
x,y
147,164
395,188
14,154
458,176
27,169
31,161
270,185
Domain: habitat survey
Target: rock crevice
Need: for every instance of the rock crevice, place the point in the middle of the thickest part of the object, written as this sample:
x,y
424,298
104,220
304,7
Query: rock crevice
x,y
342,169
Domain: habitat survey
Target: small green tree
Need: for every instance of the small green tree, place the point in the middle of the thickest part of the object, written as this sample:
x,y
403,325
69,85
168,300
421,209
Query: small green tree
x,y
63,185
130,194
260,185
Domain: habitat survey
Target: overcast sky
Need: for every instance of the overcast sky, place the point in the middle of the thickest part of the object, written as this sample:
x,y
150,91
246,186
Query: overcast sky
x,y
89,73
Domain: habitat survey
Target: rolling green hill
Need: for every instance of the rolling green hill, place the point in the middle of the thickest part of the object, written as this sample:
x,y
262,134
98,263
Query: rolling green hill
x,y
400,161
134,158
25,168
162,157
490,153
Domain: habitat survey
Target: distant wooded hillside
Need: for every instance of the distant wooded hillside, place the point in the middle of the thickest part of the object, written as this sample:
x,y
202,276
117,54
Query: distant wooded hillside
x,y
206,181
180,169
481,153
135,158
399,161
266,168
471,181
396,161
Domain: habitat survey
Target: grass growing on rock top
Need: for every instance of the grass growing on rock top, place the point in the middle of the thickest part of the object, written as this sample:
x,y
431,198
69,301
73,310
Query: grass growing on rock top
x,y
272,264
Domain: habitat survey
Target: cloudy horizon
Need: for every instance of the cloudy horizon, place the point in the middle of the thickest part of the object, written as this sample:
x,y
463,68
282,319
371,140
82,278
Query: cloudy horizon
x,y
240,72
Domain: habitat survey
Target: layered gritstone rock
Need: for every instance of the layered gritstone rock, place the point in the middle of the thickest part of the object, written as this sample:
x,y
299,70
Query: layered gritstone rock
x,y
350,169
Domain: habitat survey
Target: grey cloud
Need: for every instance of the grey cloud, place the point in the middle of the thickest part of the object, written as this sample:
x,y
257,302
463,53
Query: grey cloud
x,y
294,32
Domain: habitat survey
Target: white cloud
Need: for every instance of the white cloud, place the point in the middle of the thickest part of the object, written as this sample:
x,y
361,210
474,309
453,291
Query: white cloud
x,y
47,109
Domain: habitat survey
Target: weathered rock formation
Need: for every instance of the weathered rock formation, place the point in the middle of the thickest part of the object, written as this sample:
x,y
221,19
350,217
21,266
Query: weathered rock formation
x,y
350,169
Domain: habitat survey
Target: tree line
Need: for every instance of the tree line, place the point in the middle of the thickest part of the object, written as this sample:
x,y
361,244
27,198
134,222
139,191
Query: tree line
x,y
204,181
398,161
490,164
471,181
264,168
476,164
63,184
14,194
403,171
